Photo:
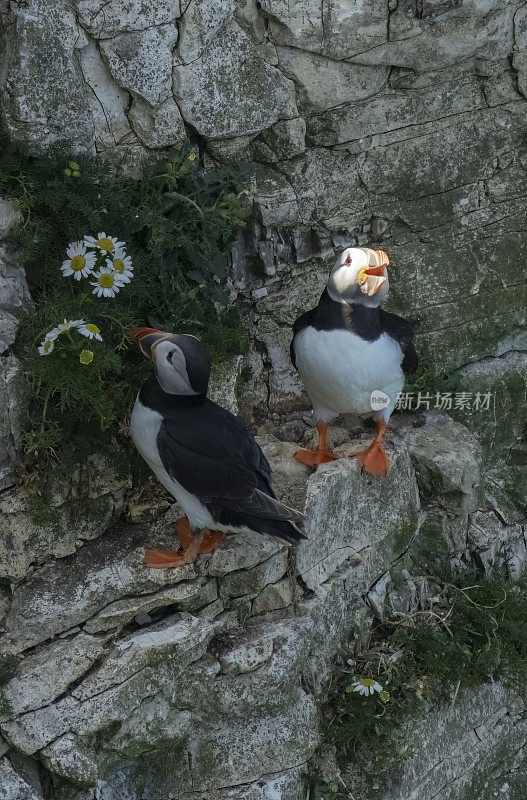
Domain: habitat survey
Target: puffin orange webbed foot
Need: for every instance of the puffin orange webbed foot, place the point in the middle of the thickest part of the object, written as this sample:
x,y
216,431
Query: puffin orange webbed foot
x,y
184,533
313,458
322,454
210,539
163,559
192,545
374,459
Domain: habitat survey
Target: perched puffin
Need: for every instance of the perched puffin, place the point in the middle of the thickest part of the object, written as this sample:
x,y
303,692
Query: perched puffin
x,y
202,454
347,347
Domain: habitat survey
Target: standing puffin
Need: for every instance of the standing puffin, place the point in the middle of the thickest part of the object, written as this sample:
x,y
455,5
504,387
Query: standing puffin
x,y
202,454
347,347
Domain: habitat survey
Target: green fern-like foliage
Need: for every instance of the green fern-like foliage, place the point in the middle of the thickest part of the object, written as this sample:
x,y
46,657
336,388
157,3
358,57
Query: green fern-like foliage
x,y
476,632
177,222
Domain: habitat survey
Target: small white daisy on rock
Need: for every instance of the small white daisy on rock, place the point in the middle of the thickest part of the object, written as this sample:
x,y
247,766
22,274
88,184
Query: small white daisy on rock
x,y
67,325
366,686
107,282
79,263
107,244
52,335
47,347
122,264
90,330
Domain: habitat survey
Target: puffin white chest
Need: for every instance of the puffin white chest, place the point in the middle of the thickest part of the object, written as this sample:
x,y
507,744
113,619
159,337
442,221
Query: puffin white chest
x,y
340,370
144,427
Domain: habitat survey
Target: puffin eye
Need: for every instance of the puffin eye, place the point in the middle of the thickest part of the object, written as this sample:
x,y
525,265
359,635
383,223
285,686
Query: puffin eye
x,y
169,356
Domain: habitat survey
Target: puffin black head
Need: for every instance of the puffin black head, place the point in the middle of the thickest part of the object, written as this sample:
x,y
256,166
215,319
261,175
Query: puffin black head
x,y
360,277
182,361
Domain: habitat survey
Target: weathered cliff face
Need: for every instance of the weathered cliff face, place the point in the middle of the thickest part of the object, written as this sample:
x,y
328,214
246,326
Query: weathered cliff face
x,y
203,681
399,125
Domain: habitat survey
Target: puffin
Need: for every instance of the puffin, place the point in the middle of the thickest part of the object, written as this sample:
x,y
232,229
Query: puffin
x,y
352,355
202,454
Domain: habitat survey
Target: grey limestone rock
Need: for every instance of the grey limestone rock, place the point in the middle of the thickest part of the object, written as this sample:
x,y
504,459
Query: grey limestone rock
x,y
400,126
226,666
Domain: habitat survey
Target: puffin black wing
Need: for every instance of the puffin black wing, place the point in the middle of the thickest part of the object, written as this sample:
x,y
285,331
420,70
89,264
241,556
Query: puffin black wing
x,y
402,330
299,324
212,455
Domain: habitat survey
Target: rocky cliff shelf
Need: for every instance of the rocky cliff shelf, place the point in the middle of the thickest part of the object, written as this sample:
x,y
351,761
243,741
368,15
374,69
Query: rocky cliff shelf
x,y
205,681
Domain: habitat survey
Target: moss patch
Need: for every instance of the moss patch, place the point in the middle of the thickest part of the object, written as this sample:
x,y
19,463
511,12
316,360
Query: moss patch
x,y
430,378
8,665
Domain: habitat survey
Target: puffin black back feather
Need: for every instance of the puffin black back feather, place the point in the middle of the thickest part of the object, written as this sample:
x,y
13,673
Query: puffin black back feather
x,y
402,330
197,361
213,456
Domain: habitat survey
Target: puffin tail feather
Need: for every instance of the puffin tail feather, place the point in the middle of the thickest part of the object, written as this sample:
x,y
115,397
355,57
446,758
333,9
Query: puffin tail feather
x,y
283,530
263,514
272,507
286,533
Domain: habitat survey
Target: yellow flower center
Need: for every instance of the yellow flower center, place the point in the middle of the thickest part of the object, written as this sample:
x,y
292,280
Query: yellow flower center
x,y
48,346
92,328
105,244
106,280
77,263
367,682
86,357
118,265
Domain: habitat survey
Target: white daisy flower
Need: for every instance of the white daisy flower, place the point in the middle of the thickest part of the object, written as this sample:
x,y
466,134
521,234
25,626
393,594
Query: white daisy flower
x,y
107,282
67,325
91,330
51,335
366,686
102,242
122,264
79,262
47,347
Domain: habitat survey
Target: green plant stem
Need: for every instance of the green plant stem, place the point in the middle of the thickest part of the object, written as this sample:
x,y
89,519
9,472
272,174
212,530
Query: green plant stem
x,y
45,409
186,200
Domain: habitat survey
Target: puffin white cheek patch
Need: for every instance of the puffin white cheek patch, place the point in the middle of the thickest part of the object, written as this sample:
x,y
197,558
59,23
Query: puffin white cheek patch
x,y
343,278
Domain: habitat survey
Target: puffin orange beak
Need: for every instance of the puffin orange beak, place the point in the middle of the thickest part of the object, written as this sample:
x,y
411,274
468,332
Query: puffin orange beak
x,y
374,276
147,339
379,271
383,258
383,262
